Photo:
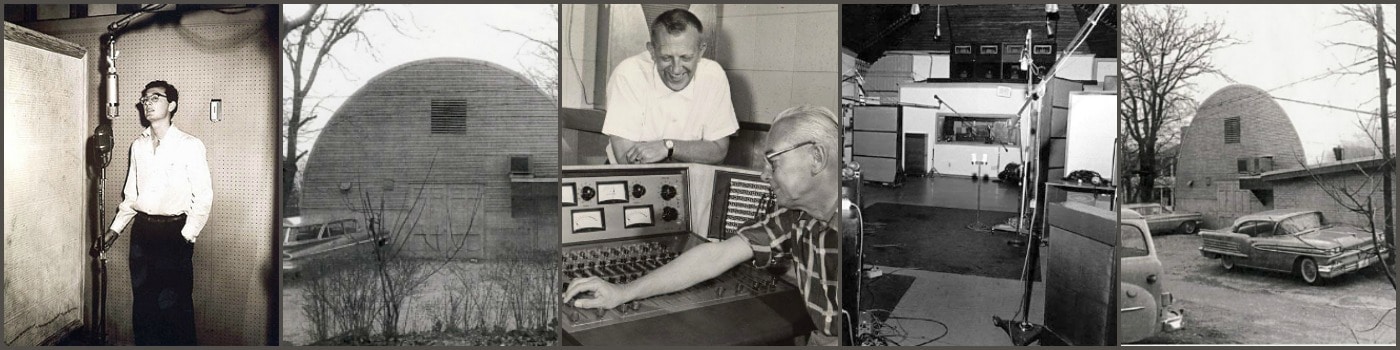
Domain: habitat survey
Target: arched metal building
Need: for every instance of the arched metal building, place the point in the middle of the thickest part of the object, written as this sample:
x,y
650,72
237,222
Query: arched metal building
x,y
466,148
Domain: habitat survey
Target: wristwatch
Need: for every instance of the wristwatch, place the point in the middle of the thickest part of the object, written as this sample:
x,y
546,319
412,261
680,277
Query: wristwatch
x,y
670,149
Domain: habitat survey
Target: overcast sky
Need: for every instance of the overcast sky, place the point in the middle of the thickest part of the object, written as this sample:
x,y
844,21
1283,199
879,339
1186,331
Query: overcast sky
x,y
431,31
1284,44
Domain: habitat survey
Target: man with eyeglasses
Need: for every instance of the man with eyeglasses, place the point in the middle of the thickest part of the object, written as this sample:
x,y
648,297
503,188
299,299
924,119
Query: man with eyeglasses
x,y
167,197
803,169
669,103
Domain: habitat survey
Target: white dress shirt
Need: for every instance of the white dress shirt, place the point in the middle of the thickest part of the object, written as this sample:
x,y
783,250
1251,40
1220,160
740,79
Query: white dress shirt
x,y
641,108
172,179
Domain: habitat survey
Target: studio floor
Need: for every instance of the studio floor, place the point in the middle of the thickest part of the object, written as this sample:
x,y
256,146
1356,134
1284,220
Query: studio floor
x,y
943,282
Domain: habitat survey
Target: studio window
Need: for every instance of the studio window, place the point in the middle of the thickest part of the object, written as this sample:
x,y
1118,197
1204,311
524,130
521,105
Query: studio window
x,y
983,130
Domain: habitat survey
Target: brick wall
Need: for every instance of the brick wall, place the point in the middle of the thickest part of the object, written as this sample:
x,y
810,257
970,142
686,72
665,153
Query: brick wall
x,y
1309,193
1207,174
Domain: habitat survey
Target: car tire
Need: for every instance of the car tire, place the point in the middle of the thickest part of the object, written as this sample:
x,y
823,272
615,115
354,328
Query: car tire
x,y
1307,269
1227,262
1188,228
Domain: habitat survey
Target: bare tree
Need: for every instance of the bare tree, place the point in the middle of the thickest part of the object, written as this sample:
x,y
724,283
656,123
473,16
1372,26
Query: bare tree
x,y
1373,16
1162,51
1367,15
399,276
307,43
545,76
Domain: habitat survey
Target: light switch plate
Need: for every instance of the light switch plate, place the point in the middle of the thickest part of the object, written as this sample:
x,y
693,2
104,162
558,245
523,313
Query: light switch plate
x,y
216,110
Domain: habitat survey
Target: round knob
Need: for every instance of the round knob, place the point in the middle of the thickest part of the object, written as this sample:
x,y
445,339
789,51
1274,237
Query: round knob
x,y
587,193
638,191
670,214
668,192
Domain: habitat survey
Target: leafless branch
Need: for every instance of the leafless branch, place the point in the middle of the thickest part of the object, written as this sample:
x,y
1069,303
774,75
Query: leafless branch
x,y
1162,51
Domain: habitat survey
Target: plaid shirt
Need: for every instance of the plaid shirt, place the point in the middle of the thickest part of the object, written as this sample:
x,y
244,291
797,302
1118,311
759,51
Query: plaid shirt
x,y
813,247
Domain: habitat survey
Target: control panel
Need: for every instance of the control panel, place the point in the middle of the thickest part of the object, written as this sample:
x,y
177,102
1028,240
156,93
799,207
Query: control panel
x,y
622,262
620,223
602,205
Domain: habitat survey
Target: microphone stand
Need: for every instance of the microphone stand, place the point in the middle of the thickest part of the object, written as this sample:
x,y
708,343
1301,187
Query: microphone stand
x,y
103,144
977,224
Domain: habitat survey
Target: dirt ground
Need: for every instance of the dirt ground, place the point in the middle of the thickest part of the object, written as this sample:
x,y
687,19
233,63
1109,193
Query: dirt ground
x,y
1245,306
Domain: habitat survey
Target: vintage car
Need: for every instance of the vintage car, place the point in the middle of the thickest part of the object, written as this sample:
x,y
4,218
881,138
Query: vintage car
x,y
1163,221
1144,305
1294,241
305,241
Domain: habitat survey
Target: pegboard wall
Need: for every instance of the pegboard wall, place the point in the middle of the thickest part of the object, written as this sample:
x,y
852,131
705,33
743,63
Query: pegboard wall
x,y
45,128
207,55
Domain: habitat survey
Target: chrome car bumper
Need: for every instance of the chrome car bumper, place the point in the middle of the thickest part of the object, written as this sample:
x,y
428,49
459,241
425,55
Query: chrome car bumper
x,y
1173,320
1347,264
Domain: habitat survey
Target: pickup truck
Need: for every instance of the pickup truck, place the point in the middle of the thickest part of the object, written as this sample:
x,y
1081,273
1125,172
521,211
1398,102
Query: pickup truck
x,y
1293,241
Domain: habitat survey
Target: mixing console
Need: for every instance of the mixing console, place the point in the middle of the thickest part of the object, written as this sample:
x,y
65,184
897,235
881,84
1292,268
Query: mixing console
x,y
622,262
620,223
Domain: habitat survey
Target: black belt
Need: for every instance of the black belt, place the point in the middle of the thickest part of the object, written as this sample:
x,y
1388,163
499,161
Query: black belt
x,y
162,219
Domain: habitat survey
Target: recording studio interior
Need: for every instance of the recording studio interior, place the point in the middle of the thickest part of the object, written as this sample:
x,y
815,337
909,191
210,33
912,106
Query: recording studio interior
x,y
620,221
982,143
73,78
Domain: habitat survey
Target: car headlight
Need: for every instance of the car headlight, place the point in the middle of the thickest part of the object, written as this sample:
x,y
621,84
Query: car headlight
x,y
1332,251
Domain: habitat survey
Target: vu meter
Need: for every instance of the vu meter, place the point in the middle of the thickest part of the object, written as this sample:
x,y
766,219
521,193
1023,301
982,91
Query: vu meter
x,y
588,220
637,216
612,192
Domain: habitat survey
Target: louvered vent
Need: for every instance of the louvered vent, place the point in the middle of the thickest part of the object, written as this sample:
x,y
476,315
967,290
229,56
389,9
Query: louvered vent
x,y
449,117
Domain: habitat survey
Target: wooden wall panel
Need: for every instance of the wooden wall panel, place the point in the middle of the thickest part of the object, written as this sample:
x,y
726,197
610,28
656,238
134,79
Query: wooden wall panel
x,y
45,190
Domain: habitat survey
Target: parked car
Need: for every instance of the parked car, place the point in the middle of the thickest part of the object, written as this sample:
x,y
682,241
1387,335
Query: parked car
x,y
1292,241
304,241
1144,305
1164,221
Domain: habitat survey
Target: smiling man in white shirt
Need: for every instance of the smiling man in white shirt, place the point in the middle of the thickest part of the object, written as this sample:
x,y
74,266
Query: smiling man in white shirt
x,y
168,195
670,103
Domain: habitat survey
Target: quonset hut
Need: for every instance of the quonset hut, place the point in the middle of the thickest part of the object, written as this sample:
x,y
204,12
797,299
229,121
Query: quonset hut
x,y
466,148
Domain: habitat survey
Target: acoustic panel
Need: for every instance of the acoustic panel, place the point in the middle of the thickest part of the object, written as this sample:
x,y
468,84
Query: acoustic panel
x,y
45,193
1080,276
1093,127
875,144
879,169
877,118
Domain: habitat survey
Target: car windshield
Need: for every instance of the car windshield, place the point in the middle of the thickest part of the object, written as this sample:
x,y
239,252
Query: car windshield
x,y
1301,223
1131,242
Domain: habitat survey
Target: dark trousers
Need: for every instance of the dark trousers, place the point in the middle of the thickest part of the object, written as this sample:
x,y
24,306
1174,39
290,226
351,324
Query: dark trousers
x,y
162,281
